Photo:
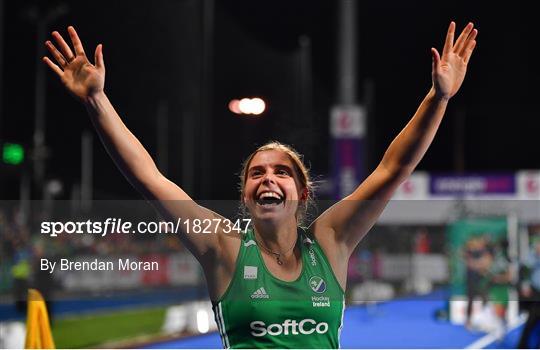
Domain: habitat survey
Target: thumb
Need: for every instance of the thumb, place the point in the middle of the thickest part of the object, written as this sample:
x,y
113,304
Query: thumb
x,y
98,58
436,58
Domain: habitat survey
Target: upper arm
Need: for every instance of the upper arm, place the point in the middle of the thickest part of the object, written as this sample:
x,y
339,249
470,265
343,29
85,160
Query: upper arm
x,y
173,204
344,224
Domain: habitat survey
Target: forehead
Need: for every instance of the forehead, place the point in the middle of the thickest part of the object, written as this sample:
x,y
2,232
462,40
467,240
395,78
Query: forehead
x,y
271,158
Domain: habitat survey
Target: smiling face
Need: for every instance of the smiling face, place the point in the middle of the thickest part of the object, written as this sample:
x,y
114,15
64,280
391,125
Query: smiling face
x,y
272,189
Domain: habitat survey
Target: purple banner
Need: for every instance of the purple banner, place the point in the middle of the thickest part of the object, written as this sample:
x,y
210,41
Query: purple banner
x,y
441,185
347,166
347,129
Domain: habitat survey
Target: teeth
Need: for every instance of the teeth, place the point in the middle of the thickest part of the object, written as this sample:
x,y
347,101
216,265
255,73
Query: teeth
x,y
269,195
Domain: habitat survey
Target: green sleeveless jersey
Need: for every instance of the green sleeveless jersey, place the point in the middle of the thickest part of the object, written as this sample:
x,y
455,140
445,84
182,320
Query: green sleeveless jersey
x,y
259,310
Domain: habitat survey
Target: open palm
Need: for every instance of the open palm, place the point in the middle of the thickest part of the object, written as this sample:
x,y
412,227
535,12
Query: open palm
x,y
80,77
449,70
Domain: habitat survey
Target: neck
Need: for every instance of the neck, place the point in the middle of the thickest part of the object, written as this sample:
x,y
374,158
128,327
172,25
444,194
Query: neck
x,y
276,238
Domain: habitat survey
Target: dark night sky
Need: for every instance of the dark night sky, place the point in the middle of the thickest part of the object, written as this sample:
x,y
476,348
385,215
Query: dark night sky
x,y
153,53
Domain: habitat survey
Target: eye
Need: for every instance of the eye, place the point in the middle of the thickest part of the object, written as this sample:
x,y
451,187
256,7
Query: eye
x,y
283,172
256,173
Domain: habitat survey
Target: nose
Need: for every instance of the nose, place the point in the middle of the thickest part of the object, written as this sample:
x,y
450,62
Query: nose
x,y
269,178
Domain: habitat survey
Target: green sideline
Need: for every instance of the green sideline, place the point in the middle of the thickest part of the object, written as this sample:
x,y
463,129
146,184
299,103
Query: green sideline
x,y
93,330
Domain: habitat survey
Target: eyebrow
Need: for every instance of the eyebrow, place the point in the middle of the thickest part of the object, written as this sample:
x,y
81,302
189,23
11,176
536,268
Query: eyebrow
x,y
283,166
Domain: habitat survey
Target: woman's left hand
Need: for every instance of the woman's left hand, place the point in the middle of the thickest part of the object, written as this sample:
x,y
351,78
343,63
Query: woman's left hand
x,y
449,70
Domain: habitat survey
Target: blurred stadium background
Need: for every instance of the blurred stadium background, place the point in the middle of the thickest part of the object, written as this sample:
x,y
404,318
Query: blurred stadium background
x,y
338,81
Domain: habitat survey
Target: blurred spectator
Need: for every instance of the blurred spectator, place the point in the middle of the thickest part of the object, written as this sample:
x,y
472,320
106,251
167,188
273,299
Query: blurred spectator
x,y
530,290
43,279
20,272
477,262
422,244
499,285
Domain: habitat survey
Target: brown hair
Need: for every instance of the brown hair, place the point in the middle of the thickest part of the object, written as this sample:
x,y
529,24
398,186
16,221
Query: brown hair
x,y
300,169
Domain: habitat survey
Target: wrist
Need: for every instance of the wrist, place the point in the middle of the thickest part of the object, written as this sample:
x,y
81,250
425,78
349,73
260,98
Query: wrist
x,y
95,99
438,96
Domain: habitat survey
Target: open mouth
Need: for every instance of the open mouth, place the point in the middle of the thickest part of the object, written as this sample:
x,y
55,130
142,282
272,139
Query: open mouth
x,y
269,199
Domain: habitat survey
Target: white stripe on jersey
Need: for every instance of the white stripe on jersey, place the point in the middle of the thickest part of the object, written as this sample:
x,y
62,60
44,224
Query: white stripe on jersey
x,y
341,323
220,317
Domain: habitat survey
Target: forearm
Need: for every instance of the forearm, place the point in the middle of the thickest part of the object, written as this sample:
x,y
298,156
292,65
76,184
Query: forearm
x,y
410,145
124,148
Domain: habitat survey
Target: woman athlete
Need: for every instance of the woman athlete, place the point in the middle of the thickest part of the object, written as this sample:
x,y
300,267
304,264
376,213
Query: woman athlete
x,y
275,285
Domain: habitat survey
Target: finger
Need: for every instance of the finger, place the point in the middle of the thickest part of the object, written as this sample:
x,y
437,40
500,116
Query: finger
x,y
462,39
436,58
64,47
471,37
449,42
98,58
56,54
76,41
53,66
468,51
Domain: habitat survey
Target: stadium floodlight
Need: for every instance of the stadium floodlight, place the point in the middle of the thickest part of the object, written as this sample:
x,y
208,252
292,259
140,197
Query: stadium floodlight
x,y
245,106
233,106
12,153
253,106
257,106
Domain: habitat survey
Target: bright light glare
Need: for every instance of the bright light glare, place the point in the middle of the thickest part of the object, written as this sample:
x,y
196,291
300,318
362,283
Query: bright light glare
x,y
257,106
233,106
202,321
247,106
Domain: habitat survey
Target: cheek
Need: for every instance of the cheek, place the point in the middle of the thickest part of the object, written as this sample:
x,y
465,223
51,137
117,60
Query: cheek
x,y
245,196
292,191
249,189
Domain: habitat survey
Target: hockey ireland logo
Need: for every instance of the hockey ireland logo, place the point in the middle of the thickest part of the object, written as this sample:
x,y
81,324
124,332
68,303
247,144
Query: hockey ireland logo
x,y
317,284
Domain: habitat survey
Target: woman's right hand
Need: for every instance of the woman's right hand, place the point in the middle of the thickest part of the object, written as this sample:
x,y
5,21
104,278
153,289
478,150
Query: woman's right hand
x,y
80,77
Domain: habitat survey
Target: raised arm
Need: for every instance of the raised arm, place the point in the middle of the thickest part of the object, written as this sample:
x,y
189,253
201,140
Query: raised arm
x,y
342,226
86,82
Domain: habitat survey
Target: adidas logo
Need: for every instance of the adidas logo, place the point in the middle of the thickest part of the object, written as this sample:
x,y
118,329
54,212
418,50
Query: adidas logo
x,y
260,294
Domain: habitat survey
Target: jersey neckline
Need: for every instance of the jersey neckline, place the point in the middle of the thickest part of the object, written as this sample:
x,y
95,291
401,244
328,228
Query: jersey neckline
x,y
279,280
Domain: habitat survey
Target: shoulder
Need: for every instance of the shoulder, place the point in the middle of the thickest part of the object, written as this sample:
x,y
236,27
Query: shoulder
x,y
325,237
337,263
229,243
306,235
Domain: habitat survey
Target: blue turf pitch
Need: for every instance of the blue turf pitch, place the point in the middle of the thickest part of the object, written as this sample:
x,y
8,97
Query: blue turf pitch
x,y
405,323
